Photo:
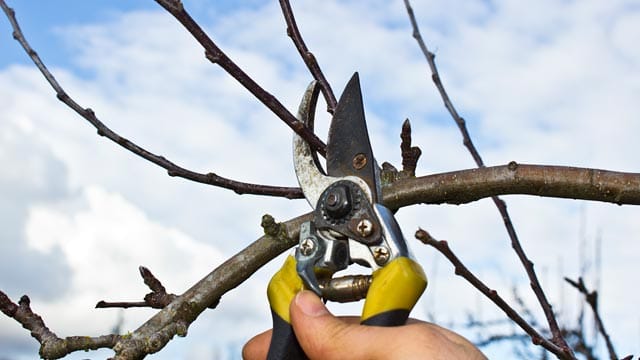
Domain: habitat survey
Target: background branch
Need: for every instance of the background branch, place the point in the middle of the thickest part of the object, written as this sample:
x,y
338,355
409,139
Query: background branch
x,y
217,56
500,204
591,297
309,59
461,270
172,169
51,346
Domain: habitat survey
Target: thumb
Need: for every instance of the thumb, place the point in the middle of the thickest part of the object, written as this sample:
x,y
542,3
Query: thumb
x,y
324,336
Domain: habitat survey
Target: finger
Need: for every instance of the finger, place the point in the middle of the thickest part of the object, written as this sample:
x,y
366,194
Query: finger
x,y
324,336
257,347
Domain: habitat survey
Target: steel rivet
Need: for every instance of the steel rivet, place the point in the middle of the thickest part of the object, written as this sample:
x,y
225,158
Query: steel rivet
x,y
364,227
381,255
359,161
307,246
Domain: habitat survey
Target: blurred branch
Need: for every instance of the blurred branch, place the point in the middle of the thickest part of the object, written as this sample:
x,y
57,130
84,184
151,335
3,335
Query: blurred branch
x,y
309,59
217,56
461,270
103,130
591,297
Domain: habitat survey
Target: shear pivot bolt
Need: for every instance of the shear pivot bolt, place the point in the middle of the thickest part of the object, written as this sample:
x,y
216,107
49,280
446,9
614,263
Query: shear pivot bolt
x,y
364,227
381,255
337,201
307,246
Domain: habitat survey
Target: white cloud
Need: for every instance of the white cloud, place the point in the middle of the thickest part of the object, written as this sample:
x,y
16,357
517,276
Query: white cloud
x,y
103,241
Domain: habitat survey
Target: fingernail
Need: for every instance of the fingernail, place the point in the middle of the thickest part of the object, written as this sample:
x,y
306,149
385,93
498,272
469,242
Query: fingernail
x,y
310,304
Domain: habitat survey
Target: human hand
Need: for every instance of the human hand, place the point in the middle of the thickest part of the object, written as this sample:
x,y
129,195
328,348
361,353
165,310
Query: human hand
x,y
324,336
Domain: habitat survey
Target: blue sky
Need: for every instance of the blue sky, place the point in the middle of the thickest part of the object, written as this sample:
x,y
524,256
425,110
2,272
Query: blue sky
x,y
555,82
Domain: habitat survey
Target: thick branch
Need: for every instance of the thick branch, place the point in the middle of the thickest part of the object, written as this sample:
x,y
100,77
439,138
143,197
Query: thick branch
x,y
307,56
464,186
500,204
103,130
217,56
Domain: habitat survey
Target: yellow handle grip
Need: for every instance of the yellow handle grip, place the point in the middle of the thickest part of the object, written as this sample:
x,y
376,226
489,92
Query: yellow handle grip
x,y
394,291
283,287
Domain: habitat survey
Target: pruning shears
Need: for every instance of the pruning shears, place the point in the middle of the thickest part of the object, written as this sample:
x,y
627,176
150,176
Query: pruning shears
x,y
349,225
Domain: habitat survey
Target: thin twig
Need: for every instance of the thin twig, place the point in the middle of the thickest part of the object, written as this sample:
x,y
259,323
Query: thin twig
x,y
103,130
217,56
461,270
591,297
158,298
51,346
309,59
500,204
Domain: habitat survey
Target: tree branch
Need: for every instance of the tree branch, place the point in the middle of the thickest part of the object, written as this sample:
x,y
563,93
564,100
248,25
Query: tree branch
x,y
158,298
465,186
103,130
461,270
500,204
309,59
175,318
51,346
217,56
457,187
450,187
591,297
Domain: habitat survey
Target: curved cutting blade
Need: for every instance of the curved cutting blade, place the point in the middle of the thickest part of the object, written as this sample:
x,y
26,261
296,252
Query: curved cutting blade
x,y
305,161
348,148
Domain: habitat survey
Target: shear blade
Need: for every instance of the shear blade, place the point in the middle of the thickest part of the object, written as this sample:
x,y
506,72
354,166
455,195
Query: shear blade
x,y
310,176
348,148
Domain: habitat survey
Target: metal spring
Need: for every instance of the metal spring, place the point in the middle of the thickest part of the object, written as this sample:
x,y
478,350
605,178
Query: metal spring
x,y
347,288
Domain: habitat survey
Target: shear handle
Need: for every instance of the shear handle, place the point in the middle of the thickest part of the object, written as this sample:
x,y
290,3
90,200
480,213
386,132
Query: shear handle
x,y
283,287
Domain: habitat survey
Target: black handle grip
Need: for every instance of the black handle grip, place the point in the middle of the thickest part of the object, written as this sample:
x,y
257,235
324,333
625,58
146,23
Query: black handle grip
x,y
283,287
388,318
284,345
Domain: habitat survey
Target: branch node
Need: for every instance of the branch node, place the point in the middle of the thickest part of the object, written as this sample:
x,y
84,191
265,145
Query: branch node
x,y
273,228
389,174
62,96
181,328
